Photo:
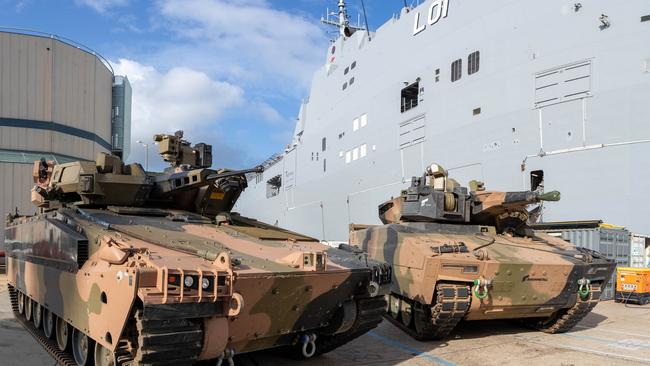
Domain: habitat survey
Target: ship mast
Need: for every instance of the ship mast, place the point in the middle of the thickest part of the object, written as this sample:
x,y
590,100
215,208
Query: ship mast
x,y
343,22
343,17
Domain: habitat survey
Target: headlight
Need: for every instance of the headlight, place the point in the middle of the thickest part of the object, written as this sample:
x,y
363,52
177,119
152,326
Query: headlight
x,y
189,281
205,283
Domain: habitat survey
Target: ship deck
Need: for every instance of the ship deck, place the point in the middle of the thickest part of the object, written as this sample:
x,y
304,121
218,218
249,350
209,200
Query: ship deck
x,y
612,334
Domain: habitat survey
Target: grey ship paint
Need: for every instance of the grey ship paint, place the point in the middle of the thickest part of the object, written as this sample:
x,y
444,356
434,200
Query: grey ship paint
x,y
519,94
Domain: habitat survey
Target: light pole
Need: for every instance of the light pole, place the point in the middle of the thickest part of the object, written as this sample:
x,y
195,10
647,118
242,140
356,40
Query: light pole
x,y
146,149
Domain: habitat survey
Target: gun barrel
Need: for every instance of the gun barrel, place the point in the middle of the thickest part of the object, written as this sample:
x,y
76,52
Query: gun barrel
x,y
527,197
257,169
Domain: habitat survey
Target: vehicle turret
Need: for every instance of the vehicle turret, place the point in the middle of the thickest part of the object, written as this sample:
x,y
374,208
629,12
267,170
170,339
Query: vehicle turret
x,y
188,184
435,197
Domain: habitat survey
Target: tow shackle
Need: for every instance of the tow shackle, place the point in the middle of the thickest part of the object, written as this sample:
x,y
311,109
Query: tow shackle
x,y
308,345
584,289
480,288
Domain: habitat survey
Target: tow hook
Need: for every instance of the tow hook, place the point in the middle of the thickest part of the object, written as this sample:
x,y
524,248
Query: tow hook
x,y
308,345
228,354
584,288
481,283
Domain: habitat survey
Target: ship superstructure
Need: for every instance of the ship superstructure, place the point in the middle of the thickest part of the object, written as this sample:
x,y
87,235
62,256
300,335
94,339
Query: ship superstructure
x,y
520,95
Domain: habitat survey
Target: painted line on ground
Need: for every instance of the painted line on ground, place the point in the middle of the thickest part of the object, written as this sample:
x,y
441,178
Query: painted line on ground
x,y
610,342
586,350
613,331
402,346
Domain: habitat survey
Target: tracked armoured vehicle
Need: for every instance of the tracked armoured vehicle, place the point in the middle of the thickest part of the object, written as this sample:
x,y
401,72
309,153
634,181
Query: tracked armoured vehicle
x,y
460,255
127,267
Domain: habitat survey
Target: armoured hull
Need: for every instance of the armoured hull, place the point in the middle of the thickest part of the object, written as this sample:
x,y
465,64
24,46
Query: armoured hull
x,y
262,293
529,278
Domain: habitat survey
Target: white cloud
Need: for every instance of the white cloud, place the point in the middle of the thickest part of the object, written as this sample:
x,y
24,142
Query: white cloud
x,y
249,41
179,99
101,6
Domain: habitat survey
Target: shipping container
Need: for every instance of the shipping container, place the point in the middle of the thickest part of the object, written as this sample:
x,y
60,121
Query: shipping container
x,y
638,246
610,240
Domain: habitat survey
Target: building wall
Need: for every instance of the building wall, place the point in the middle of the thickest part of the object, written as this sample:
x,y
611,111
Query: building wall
x,y
55,102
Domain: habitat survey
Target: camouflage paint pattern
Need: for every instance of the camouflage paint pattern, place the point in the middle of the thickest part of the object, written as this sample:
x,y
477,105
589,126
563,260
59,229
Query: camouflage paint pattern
x,y
113,248
437,233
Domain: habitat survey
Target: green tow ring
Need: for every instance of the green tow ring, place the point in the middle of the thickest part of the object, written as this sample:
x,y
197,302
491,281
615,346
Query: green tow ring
x,y
477,289
584,288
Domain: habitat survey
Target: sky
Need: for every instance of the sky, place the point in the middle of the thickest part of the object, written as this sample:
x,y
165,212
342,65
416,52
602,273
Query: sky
x,y
230,73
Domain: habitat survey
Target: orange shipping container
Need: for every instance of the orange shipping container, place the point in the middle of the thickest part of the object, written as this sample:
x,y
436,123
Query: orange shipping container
x,y
633,285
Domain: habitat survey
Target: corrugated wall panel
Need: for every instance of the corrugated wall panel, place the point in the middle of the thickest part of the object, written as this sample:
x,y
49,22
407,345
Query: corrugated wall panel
x,y
72,146
102,103
14,138
15,183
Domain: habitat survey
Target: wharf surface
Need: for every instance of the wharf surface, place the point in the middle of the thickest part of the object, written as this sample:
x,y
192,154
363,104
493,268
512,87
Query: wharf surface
x,y
613,334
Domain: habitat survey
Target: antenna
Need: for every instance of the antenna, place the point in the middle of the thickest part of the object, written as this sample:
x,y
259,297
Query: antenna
x,y
365,18
342,23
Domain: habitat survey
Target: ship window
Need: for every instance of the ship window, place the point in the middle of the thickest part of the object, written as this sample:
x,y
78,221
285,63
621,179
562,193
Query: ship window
x,y
324,165
273,186
410,97
324,143
341,154
312,156
347,69
348,156
456,70
355,153
345,85
363,120
355,124
536,179
351,81
473,62
316,156
362,150
645,18
476,111
437,75
354,64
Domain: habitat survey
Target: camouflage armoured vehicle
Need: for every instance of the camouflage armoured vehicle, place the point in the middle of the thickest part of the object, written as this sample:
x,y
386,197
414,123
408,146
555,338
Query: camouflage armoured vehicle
x,y
460,255
126,267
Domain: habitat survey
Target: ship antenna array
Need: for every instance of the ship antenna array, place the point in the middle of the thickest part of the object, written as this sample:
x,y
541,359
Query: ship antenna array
x,y
341,21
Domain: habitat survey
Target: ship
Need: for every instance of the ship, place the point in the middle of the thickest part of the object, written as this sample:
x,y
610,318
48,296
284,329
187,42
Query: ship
x,y
520,95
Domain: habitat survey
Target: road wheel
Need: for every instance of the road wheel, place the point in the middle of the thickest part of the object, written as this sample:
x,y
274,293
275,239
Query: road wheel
x,y
48,323
37,311
104,356
82,348
21,303
28,308
62,334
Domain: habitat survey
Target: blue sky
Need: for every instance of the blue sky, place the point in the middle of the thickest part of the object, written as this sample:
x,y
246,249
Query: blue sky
x,y
228,72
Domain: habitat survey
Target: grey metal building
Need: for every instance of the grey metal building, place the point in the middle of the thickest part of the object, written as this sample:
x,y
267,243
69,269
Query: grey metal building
x,y
55,102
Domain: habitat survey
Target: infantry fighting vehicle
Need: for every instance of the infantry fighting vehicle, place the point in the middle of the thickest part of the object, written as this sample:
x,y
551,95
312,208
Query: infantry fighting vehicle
x,y
126,267
460,255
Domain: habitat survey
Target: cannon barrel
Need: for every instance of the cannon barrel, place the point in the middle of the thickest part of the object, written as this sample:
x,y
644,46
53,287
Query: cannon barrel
x,y
257,169
528,197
